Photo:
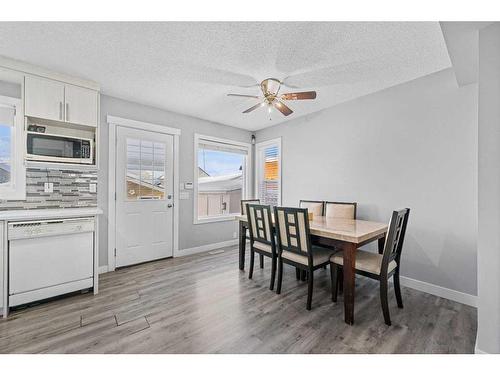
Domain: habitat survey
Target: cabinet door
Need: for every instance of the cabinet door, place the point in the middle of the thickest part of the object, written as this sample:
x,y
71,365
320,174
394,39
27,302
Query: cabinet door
x,y
44,98
81,105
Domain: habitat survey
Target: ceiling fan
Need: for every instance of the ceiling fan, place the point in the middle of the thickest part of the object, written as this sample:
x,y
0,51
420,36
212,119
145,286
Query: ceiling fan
x,y
270,89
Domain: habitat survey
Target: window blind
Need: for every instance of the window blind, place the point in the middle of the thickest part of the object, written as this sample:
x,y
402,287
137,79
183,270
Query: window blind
x,y
269,175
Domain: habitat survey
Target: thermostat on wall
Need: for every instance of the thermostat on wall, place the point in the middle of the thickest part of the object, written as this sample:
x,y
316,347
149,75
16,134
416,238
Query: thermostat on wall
x,y
188,185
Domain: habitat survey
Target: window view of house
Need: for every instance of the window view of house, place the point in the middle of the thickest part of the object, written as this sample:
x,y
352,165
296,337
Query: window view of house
x,y
220,182
145,169
6,119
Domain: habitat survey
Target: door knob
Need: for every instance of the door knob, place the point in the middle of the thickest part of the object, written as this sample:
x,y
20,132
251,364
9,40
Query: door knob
x,y
169,205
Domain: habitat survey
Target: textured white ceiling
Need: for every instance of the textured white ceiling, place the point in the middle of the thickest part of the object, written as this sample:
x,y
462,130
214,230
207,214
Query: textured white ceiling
x,y
190,67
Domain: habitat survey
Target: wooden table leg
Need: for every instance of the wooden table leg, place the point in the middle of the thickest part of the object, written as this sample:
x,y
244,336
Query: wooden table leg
x,y
381,244
242,244
349,281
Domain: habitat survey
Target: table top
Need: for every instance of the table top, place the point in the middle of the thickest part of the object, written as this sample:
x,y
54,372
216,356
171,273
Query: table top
x,y
354,231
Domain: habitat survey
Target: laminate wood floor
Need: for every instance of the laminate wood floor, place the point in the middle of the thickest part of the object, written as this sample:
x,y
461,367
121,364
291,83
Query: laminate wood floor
x,y
205,304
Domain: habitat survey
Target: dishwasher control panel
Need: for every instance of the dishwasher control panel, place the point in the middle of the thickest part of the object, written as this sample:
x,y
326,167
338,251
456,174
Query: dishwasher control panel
x,y
42,228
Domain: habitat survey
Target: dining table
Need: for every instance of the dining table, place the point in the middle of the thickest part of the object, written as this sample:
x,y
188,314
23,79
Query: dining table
x,y
346,235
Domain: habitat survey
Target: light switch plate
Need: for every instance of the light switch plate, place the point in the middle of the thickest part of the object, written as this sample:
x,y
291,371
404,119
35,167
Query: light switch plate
x,y
188,185
93,188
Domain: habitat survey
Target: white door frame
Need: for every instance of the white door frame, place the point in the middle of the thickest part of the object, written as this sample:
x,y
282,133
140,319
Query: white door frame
x,y
113,122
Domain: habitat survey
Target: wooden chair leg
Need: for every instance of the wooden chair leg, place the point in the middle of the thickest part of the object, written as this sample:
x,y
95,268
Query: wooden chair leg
x,y
303,275
261,261
341,279
384,301
273,272
397,289
250,270
297,273
309,288
334,274
280,275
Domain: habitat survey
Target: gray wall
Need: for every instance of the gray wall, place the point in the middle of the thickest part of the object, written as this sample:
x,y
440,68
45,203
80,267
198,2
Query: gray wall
x,y
413,145
489,191
190,235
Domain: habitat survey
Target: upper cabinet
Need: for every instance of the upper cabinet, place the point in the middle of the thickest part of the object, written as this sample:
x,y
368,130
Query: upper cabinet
x,y
58,101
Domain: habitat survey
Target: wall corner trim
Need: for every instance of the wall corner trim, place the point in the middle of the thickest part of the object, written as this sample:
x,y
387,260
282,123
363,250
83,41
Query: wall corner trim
x,y
203,248
436,290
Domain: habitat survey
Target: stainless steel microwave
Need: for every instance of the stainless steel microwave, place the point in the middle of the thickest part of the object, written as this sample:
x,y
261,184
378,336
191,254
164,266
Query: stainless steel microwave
x,y
42,146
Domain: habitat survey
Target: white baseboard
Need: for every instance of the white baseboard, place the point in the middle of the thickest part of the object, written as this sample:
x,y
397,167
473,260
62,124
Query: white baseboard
x,y
466,299
203,248
103,269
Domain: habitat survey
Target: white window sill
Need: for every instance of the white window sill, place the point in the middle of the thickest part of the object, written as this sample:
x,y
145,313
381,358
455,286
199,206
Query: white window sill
x,y
215,219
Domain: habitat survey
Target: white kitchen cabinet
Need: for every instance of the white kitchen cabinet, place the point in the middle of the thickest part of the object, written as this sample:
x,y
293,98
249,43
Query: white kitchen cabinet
x,y
44,98
55,100
80,105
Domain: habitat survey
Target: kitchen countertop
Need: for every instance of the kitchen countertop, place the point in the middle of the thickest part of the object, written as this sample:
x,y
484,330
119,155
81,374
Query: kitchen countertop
x,y
49,213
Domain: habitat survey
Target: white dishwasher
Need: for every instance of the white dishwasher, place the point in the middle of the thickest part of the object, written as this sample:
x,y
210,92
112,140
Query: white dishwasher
x,y
49,258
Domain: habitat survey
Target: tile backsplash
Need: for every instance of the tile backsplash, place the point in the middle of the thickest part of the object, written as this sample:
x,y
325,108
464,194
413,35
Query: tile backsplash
x,y
71,189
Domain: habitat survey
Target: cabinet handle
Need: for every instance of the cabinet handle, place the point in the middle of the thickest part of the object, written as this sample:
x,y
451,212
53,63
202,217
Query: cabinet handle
x,y
67,111
60,110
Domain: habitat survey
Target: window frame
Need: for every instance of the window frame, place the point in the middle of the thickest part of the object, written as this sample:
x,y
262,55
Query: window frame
x,y
258,165
247,176
16,189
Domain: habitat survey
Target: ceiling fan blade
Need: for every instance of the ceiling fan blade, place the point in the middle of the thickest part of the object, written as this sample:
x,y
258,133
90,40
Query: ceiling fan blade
x,y
282,107
299,95
244,95
254,107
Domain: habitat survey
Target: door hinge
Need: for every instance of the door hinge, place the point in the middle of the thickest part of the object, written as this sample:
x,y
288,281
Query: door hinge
x,y
115,252
115,195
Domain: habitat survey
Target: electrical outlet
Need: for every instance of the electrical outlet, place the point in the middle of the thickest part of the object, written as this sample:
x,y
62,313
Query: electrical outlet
x,y
48,187
93,188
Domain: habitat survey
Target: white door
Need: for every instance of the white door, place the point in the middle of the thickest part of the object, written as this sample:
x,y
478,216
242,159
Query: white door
x,y
81,105
144,201
44,98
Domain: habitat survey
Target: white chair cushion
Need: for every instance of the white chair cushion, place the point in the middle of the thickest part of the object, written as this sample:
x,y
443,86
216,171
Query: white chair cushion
x,y
263,246
365,261
320,255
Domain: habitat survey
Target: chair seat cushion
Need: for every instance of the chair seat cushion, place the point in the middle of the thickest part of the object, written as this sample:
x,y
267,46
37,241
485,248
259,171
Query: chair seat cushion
x,y
320,256
365,261
263,246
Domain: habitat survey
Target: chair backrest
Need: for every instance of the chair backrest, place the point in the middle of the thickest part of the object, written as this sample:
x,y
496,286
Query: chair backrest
x,y
316,207
341,210
292,230
395,238
244,203
260,224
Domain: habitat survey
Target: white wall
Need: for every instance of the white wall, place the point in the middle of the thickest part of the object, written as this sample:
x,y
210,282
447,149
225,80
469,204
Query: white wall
x,y
489,191
190,235
413,145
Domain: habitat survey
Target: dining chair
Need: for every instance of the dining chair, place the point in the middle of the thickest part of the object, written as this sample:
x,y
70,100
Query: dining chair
x,y
379,266
244,202
341,210
316,207
261,237
293,238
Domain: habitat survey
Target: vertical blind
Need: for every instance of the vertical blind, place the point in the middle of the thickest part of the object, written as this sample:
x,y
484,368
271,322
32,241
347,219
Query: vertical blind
x,y
269,175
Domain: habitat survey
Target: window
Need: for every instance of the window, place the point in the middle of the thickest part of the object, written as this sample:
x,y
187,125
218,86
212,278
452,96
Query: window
x,y
145,169
268,166
12,171
221,178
